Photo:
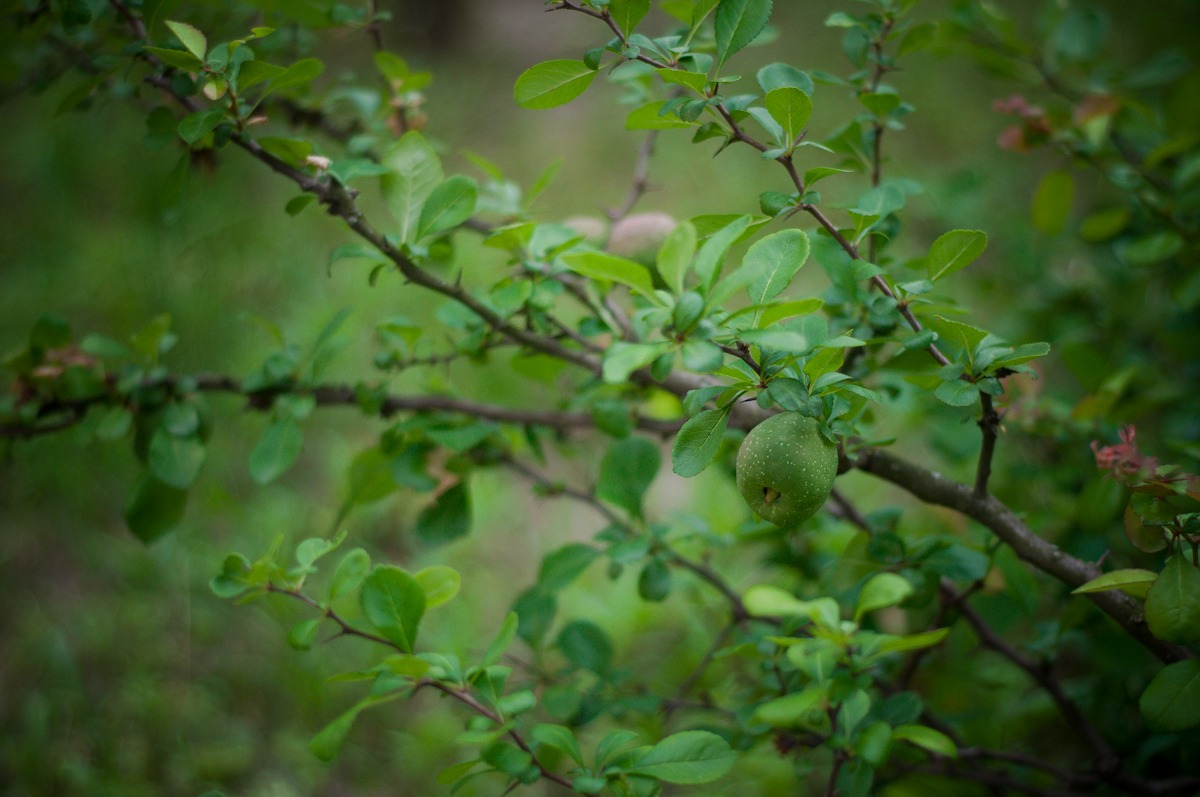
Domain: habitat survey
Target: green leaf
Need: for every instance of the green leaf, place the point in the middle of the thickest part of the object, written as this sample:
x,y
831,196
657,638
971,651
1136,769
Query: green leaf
x,y
928,738
326,744
439,583
586,645
193,40
621,359
394,603
694,80
154,508
196,126
350,573
628,13
675,255
449,204
963,335
504,638
957,392
561,566
414,171
698,441
654,582
254,72
925,639
1052,202
626,471
303,635
1173,602
648,117
777,76
1169,703
791,710
737,23
552,83
881,591
955,251
1134,581
603,266
176,461
687,757
558,737
276,450
708,261
772,262
299,73
792,108
175,58
448,518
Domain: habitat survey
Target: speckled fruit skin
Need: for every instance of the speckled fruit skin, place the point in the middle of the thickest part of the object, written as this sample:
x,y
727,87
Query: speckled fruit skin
x,y
785,469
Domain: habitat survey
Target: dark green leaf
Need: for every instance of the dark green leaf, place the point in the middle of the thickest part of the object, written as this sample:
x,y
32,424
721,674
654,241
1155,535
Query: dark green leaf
x,y
1052,202
154,508
586,645
1173,602
654,582
448,518
299,73
1170,702
196,126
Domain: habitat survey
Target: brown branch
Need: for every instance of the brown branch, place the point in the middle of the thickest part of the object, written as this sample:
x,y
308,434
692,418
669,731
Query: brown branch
x,y
989,424
934,488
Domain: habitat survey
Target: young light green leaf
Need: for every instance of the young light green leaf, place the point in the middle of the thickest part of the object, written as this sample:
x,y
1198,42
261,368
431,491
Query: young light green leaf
x,y
276,450
1173,602
1133,581
737,23
601,265
621,359
414,171
1052,202
791,108
193,40
771,263
708,261
698,441
928,738
326,744
552,83
648,117
675,255
881,591
504,638
680,77
1169,703
439,583
350,573
449,204
791,710
176,58
955,251
394,603
687,757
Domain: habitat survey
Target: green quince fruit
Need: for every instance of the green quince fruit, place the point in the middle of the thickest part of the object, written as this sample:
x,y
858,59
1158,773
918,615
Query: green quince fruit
x,y
785,468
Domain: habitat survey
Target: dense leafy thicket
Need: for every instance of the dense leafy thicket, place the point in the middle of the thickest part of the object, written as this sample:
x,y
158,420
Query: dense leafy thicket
x,y
1000,594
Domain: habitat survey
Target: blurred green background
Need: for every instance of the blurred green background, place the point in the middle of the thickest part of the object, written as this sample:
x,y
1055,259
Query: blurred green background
x,y
121,674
